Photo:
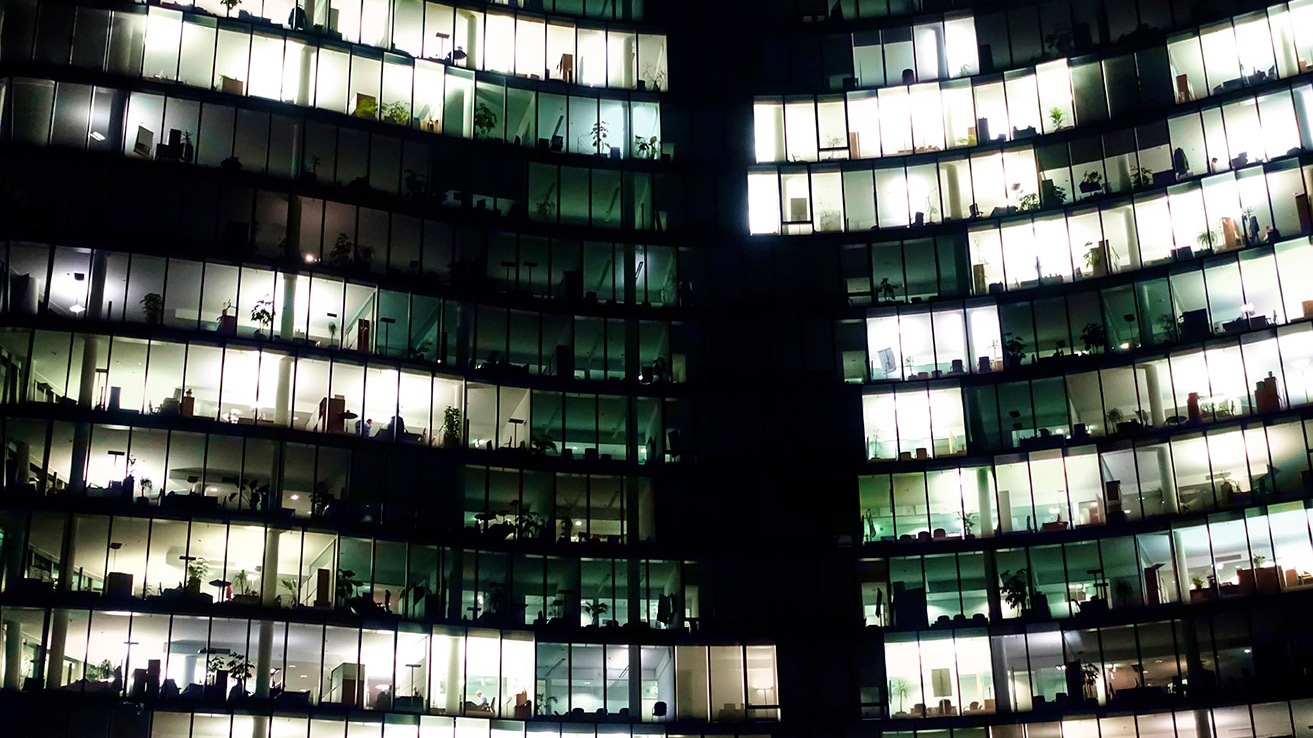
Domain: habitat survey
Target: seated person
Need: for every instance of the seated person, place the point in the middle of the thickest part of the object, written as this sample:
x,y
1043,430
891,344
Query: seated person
x,y
396,430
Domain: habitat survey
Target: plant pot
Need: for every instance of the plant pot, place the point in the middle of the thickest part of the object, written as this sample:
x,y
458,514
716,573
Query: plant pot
x,y
227,325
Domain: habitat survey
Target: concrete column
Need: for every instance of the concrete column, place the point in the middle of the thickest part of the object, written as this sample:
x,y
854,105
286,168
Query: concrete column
x,y
96,291
287,320
635,672
1153,388
941,51
268,597
1132,242
22,468
1182,578
287,332
953,194
1304,119
13,655
1167,480
1002,683
283,400
985,500
55,649
86,399
59,618
454,697
14,550
992,593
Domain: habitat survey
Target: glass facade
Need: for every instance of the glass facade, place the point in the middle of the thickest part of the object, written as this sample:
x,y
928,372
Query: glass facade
x,y
618,369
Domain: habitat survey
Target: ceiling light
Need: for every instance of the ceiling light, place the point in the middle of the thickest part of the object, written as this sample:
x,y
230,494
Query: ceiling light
x,y
77,310
97,136
295,498
309,258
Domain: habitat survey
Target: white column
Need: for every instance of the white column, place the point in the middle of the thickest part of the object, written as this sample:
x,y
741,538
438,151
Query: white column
x,y
1171,499
986,502
1153,388
1178,563
13,654
55,649
953,194
1132,241
454,697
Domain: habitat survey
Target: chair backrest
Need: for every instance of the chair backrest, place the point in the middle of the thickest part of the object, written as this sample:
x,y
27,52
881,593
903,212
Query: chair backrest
x,y
659,709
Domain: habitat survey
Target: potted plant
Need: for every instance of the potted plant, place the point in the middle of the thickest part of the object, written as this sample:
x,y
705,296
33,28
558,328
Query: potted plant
x,y
102,672
344,251
1092,184
1015,589
414,183
243,590
320,499
347,585
1056,116
1096,259
597,134
1089,678
1141,178
216,671
1267,579
451,430
311,174
240,669
364,255
230,4
1095,338
397,113
968,521
1054,195
228,320
1028,201
1018,591
1014,350
484,120
152,306
899,689
647,148
544,704
546,208
262,313
595,610
366,107
1206,239
289,586
332,333
196,571
1170,326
